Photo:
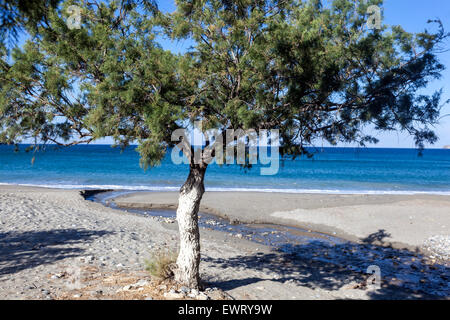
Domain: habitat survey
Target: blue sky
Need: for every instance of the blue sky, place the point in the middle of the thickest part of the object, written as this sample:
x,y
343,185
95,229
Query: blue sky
x,y
412,15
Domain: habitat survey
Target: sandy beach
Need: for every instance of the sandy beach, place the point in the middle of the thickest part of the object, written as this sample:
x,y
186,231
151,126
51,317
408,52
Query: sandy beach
x,y
43,232
406,220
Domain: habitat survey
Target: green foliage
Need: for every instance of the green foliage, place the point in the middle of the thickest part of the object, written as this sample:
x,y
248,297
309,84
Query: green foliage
x,y
161,264
311,70
15,15
107,79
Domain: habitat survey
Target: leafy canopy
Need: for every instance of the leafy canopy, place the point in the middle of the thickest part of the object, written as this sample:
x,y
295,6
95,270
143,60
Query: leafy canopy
x,y
311,70
107,79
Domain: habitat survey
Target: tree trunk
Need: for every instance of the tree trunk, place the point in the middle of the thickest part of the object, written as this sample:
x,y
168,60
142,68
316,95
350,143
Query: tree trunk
x,y
188,262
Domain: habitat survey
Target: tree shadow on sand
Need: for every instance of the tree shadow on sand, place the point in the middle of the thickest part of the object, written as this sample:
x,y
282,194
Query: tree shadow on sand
x,y
29,249
405,274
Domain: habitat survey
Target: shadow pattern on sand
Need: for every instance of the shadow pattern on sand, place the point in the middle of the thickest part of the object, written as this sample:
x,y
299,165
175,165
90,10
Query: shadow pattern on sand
x,y
23,250
404,274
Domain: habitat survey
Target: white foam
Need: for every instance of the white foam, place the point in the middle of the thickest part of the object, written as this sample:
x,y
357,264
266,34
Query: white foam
x,y
232,189
94,187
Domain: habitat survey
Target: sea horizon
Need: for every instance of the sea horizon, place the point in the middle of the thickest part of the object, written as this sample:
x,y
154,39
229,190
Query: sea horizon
x,y
332,170
375,146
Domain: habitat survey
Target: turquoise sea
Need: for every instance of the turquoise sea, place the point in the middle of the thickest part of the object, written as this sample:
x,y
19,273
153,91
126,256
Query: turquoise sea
x,y
331,170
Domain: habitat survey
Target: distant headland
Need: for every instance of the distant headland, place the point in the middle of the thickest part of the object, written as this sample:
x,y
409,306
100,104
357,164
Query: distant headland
x,y
447,147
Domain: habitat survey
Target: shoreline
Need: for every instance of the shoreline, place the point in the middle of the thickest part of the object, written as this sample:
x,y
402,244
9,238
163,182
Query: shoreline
x,y
322,213
168,200
280,214
267,234
243,190
234,221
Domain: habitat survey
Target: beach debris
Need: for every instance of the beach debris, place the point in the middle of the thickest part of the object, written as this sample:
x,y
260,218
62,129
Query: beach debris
x,y
213,223
167,219
45,292
141,283
195,292
184,290
202,296
234,221
173,295
58,276
87,259
439,246
290,281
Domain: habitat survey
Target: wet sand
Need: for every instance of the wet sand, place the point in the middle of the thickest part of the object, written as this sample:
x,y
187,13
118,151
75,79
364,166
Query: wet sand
x,y
398,220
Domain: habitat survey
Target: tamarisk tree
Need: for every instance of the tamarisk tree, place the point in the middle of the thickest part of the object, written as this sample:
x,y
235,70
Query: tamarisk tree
x,y
312,71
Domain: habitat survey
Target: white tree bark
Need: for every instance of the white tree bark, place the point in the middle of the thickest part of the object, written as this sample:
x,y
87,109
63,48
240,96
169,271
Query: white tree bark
x,y
188,262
